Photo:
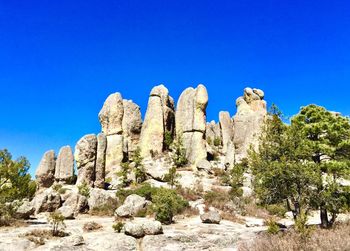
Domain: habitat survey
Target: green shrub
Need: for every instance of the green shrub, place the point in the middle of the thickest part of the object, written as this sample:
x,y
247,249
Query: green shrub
x,y
217,141
123,174
168,140
209,141
179,153
276,209
118,227
171,177
273,228
145,190
139,170
166,204
84,189
56,219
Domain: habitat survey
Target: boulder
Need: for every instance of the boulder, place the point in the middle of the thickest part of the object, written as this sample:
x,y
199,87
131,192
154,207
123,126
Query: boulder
x,y
47,201
133,204
100,197
85,159
64,171
204,165
100,161
45,173
25,210
248,121
157,169
138,228
74,205
211,217
159,119
131,124
191,122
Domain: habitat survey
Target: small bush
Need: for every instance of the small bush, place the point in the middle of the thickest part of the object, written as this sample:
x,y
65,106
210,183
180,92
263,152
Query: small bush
x,y
57,187
217,141
276,209
145,190
168,140
104,210
123,174
118,227
171,177
84,189
209,141
217,199
56,219
179,153
273,228
166,204
189,194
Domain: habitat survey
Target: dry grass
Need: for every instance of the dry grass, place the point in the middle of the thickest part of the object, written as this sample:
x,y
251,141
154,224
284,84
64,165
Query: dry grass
x,y
252,209
337,239
189,212
92,226
189,194
39,237
232,217
104,210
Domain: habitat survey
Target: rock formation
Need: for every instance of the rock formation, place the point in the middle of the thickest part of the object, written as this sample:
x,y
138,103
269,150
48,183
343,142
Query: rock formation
x,y
212,132
159,119
111,118
64,171
131,124
191,122
100,161
226,126
251,113
45,173
85,159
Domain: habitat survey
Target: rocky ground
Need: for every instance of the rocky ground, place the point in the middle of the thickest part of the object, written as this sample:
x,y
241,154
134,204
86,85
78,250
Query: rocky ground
x,y
185,234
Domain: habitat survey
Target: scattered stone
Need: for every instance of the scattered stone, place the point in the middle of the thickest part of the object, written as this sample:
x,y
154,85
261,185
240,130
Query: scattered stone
x,y
133,204
100,197
138,228
25,210
204,165
211,217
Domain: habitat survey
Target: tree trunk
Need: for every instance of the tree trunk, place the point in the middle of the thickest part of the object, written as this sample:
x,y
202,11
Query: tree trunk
x,y
324,218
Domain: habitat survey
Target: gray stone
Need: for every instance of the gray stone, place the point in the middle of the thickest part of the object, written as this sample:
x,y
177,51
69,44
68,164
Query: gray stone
x,y
100,197
204,165
25,210
47,201
45,173
211,217
212,132
74,205
133,204
64,165
85,159
138,228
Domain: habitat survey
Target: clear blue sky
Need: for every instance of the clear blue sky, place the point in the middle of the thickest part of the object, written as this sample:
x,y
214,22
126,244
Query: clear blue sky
x,y
59,60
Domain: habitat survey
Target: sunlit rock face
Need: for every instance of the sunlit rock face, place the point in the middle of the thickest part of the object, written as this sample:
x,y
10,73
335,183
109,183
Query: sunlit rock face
x,y
191,122
248,121
159,120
